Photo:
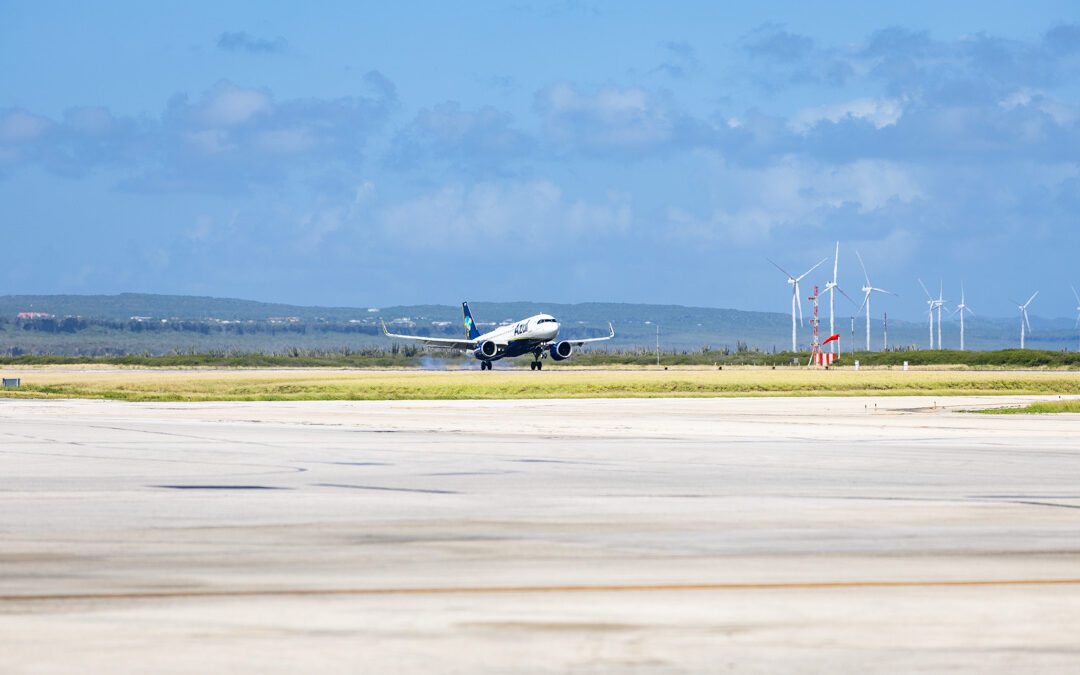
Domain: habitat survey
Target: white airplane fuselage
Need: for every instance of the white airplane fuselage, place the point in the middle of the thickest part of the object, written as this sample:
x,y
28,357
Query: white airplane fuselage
x,y
521,337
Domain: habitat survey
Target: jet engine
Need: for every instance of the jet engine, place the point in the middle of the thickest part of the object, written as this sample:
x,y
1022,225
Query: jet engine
x,y
560,351
486,350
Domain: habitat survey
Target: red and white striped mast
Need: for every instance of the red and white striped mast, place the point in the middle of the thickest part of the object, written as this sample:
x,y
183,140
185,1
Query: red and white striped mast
x,y
815,345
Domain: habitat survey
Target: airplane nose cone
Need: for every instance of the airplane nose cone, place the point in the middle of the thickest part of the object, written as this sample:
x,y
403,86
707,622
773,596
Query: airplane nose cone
x,y
554,331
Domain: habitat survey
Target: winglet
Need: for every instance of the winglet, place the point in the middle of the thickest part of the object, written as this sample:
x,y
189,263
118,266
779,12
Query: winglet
x,y
385,332
611,328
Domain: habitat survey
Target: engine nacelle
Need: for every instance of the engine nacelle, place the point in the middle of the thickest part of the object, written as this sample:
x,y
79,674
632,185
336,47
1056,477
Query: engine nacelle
x,y
560,351
486,350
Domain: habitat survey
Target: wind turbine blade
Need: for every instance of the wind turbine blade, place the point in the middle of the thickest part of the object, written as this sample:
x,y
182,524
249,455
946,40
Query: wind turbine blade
x,y
882,290
865,275
836,261
1026,321
844,294
865,298
813,268
962,293
925,291
1075,295
1030,299
781,269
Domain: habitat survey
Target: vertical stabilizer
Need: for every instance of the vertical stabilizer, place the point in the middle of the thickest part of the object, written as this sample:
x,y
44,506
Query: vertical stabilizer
x,y
470,328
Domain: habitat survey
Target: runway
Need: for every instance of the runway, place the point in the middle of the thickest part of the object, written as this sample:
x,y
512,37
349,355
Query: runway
x,y
594,536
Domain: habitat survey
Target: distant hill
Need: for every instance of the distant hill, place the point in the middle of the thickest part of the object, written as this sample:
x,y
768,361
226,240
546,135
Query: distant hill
x,y
202,323
126,305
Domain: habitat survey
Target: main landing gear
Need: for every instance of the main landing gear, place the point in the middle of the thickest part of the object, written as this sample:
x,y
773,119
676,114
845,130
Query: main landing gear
x,y
536,365
485,365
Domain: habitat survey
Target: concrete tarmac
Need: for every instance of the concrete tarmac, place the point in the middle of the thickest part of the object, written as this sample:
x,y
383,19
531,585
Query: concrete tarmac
x,y
592,536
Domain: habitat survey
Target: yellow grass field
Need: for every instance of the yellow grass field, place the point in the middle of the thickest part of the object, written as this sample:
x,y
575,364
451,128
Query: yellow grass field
x,y
332,384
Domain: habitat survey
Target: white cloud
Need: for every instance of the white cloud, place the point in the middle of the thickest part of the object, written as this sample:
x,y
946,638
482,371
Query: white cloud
x,y
879,112
316,225
229,105
364,194
611,119
208,141
791,196
19,126
534,212
89,120
285,141
329,217
1063,114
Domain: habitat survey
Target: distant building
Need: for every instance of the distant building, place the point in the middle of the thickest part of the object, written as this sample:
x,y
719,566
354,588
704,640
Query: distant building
x,y
35,315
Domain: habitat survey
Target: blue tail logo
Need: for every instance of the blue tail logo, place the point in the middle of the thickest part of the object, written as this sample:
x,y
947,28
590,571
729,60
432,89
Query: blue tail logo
x,y
470,328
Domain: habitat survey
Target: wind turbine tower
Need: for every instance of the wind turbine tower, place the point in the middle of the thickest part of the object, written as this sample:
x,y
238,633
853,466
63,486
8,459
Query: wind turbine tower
x,y
868,289
933,303
940,302
961,308
1024,317
794,281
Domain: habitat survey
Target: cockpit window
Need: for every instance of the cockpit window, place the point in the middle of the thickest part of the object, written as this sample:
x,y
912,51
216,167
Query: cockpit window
x,y
546,321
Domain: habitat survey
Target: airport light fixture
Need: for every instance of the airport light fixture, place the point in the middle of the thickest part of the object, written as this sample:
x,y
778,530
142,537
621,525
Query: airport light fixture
x,y
794,281
868,289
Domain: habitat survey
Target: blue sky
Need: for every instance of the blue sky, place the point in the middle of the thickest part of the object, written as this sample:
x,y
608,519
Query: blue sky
x,y
381,153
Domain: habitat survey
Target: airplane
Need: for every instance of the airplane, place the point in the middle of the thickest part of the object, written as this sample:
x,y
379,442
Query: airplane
x,y
535,335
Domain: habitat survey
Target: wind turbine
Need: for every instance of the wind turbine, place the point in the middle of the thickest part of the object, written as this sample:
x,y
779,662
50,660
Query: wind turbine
x,y
794,281
934,303
940,302
1024,317
868,289
961,308
1075,295
829,287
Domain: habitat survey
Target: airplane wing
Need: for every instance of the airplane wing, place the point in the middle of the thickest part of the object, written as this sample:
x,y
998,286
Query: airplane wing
x,y
442,343
578,343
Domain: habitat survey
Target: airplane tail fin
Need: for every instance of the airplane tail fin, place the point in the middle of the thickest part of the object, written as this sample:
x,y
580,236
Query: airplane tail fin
x,y
470,328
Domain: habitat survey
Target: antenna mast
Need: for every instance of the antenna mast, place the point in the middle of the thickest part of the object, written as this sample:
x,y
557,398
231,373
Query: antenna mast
x,y
815,345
